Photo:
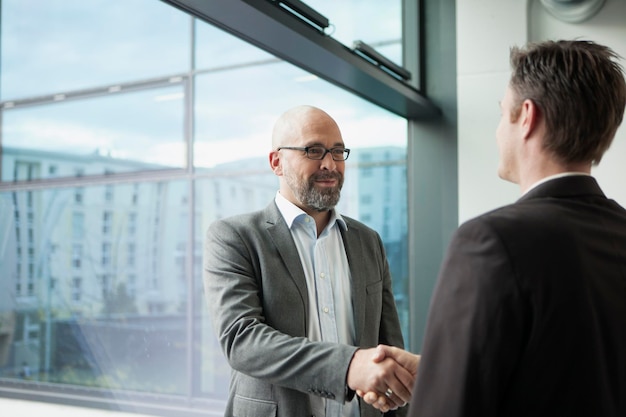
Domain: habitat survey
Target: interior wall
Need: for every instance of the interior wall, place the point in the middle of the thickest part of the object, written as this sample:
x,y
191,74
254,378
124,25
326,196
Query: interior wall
x,y
432,163
486,29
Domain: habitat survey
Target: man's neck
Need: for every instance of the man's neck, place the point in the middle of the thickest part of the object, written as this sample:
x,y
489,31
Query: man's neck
x,y
540,174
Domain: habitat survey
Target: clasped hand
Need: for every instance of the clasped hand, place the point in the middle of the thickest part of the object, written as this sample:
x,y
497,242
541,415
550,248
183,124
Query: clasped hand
x,y
383,376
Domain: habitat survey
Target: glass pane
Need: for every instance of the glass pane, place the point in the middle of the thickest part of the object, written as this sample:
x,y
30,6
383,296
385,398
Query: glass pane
x,y
219,50
95,284
55,46
232,124
377,23
94,290
234,114
118,132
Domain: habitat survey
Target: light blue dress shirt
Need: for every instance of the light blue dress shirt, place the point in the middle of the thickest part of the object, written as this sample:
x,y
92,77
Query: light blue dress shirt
x,y
325,264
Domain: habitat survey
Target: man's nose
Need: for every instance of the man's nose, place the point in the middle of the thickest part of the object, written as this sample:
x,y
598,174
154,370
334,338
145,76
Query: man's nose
x,y
328,162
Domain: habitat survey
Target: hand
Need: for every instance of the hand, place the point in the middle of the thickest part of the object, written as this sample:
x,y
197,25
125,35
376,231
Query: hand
x,y
406,359
376,371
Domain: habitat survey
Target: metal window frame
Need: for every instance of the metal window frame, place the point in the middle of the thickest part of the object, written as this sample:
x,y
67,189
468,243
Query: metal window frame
x,y
269,27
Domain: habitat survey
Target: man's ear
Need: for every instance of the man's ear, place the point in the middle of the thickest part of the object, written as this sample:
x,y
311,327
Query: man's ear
x,y
275,163
530,118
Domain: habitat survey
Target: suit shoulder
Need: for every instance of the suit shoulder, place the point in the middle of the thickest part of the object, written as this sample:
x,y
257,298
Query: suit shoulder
x,y
238,221
537,217
511,215
357,225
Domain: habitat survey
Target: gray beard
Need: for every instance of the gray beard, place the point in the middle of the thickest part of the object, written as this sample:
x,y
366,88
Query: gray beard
x,y
316,199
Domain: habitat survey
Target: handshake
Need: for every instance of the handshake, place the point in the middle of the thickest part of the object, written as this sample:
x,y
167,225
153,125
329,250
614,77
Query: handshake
x,y
383,376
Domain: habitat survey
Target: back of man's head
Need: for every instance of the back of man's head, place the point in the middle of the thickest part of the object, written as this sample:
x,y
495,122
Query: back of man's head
x,y
580,91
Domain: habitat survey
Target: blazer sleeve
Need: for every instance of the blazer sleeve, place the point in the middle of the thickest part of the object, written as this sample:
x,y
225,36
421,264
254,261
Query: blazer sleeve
x,y
238,299
474,329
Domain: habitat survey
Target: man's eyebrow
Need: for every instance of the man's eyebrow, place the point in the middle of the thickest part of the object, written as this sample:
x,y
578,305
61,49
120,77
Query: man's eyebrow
x,y
335,145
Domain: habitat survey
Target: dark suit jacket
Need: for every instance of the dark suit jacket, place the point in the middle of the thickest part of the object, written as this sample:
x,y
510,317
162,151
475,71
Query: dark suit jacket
x,y
257,298
528,317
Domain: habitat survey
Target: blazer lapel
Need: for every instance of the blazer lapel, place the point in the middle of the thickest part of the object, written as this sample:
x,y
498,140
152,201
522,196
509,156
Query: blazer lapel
x,y
354,252
281,236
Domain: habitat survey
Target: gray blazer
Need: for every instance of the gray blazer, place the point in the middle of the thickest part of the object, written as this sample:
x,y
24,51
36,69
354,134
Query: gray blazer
x,y
257,298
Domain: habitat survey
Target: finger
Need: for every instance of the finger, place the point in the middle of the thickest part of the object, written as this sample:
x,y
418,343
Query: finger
x,y
392,400
370,397
382,404
378,355
407,379
400,383
407,359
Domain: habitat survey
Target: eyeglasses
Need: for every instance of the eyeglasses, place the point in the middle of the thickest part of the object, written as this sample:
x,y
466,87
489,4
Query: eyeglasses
x,y
319,152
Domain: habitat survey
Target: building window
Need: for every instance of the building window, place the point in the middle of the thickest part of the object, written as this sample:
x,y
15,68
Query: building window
x,y
106,254
132,285
77,289
105,284
77,255
108,193
135,195
78,196
132,223
78,225
107,220
131,255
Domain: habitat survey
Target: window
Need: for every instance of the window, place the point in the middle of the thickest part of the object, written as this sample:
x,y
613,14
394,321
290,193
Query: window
x,y
77,254
108,193
112,131
131,255
77,283
78,196
107,222
25,170
106,254
78,225
132,223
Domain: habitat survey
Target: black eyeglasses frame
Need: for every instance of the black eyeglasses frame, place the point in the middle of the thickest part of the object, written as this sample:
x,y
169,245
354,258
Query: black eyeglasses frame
x,y
305,149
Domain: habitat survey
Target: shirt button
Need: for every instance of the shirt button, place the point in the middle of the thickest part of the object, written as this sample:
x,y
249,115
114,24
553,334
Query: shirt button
x,y
323,275
326,310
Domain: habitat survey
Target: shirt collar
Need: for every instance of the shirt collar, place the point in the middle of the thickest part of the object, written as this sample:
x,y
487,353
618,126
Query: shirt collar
x,y
552,177
291,212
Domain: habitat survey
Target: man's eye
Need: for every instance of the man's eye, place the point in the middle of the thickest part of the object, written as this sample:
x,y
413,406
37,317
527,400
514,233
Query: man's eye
x,y
316,151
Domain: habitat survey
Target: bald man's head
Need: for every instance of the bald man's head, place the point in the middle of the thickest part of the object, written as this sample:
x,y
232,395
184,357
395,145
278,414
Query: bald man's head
x,y
313,184
295,122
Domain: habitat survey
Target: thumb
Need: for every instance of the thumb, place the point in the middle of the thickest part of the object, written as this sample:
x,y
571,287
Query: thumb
x,y
379,354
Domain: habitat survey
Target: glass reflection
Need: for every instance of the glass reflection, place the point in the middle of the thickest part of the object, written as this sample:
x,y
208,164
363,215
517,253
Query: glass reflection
x,y
95,281
94,292
377,23
104,135
54,46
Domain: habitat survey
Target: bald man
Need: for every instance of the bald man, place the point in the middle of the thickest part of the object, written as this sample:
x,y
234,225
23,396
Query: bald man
x,y
299,295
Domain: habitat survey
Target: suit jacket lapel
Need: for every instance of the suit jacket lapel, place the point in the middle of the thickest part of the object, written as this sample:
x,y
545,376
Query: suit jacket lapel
x,y
354,252
281,236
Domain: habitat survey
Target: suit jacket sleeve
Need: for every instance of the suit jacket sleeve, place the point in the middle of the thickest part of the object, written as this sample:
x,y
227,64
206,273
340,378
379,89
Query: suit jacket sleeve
x,y
474,329
259,315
